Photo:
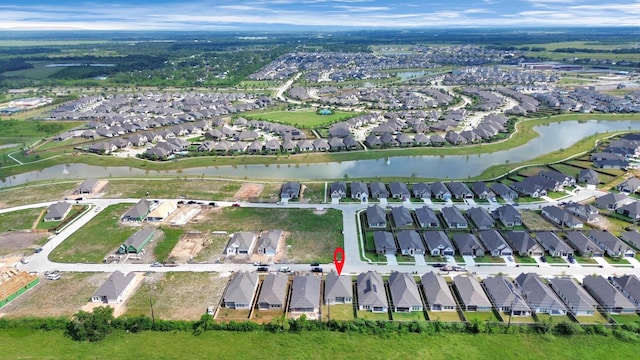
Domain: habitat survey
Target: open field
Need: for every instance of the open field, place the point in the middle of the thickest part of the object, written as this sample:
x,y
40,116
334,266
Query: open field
x,y
163,247
18,343
17,242
177,296
305,119
172,188
105,234
35,194
62,297
19,220
534,221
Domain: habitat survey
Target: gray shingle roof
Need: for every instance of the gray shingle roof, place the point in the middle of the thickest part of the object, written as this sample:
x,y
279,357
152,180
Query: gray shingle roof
x,y
114,286
305,292
241,288
574,295
436,290
404,291
337,287
471,292
57,210
538,295
371,290
274,289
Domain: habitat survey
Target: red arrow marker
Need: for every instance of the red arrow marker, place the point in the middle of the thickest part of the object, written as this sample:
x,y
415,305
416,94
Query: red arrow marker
x,y
339,263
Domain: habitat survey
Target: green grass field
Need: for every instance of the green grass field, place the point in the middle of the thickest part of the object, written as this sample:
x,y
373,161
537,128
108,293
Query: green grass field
x,y
480,315
306,119
19,220
92,242
338,312
446,316
168,242
19,344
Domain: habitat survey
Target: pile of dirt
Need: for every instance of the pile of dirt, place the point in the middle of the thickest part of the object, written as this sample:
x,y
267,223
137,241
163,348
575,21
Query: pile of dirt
x,y
248,192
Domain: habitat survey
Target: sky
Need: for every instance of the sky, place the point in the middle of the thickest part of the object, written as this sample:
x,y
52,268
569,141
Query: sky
x,y
329,14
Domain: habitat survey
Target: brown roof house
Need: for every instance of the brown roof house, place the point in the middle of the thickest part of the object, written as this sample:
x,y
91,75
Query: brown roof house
x,y
114,289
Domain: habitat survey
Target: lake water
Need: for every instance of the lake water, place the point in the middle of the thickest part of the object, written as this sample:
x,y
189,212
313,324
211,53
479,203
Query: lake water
x,y
552,137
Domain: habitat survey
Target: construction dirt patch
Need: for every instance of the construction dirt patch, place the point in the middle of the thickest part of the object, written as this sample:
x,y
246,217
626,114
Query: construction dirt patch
x,y
14,241
189,246
248,192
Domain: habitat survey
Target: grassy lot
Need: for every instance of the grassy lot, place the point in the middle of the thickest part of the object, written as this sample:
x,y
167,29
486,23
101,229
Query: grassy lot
x,y
518,319
410,316
555,260
480,315
265,316
314,193
225,314
35,194
338,312
177,296
625,319
585,260
446,316
305,119
597,318
98,237
202,189
534,221
524,259
489,260
62,297
616,261
19,343
363,314
312,237
19,220
13,129
164,246
553,318
405,259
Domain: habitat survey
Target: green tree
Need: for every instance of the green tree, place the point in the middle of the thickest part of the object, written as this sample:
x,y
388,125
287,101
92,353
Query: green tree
x,y
93,326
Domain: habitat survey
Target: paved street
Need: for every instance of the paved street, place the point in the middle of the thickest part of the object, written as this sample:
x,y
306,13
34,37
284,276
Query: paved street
x,y
353,262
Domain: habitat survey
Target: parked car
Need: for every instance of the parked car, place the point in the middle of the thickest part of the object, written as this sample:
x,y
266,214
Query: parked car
x,y
24,260
437,265
262,269
210,310
235,205
53,277
213,204
38,250
156,264
316,269
543,259
284,269
315,264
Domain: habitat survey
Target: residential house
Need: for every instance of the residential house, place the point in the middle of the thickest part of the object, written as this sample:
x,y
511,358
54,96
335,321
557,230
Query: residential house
x,y
438,243
290,190
376,217
114,290
137,241
89,186
401,216
577,299
480,218
508,215
57,211
384,243
506,297
399,190
471,294
562,179
539,296
504,191
404,293
269,242
561,217
612,201
586,212
305,294
583,245
162,211
494,243
427,217
629,286
139,211
631,237
378,190
630,210
421,190
468,244
588,177
372,295
611,300
360,191
437,292
454,218
535,186
629,186
241,243
273,292
338,190
440,191
410,243
338,289
241,290
482,191
611,245
553,244
522,242
460,190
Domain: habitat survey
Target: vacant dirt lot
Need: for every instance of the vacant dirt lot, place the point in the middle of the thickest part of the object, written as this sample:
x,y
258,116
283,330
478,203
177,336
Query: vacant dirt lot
x,y
535,221
189,246
248,192
16,241
55,298
177,296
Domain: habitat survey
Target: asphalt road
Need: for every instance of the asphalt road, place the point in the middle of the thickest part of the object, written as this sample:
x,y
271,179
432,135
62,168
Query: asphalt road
x,y
353,264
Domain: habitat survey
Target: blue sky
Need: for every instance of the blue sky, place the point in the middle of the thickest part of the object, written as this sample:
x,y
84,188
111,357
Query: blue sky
x,y
258,14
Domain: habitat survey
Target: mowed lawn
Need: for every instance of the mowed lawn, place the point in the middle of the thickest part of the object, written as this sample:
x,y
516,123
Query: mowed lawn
x,y
201,189
19,344
35,194
312,237
19,220
302,118
92,242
